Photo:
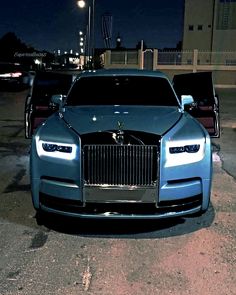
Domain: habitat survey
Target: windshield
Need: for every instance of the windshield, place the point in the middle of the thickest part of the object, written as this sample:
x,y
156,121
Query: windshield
x,y
122,90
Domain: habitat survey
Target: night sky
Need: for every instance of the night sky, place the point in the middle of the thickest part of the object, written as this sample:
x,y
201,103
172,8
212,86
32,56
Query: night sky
x,y
55,24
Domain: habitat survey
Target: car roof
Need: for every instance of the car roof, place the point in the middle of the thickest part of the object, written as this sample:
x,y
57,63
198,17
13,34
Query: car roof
x,y
121,72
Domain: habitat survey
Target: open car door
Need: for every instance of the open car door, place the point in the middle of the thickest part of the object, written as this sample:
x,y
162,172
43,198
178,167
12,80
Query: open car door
x,y
206,102
38,105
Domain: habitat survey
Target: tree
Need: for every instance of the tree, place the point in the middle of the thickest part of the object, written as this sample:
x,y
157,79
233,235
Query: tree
x,y
10,45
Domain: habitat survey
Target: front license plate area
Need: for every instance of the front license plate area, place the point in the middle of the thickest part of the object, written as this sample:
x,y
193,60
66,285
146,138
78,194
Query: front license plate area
x,y
120,195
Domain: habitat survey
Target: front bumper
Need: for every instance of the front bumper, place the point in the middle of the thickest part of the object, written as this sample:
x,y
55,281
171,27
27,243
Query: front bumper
x,y
68,199
175,194
126,210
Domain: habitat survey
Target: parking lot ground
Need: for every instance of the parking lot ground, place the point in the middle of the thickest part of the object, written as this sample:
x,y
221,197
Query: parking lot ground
x,y
194,255
227,142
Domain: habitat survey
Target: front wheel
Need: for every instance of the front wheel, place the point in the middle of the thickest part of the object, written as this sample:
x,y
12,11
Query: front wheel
x,y
40,217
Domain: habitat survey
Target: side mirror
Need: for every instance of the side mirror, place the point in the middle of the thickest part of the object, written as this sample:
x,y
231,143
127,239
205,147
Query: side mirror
x,y
57,99
186,100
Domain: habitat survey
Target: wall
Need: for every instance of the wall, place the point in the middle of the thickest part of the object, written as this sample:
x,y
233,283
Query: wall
x,y
221,64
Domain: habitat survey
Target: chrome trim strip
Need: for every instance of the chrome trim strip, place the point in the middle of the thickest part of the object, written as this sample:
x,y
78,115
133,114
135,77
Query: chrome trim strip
x,y
119,187
108,215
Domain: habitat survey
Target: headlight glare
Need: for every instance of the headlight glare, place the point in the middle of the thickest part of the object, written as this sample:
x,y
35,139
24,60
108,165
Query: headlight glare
x,y
182,152
67,151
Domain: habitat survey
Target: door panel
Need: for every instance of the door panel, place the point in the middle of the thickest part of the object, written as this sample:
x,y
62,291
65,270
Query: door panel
x,y
206,106
38,105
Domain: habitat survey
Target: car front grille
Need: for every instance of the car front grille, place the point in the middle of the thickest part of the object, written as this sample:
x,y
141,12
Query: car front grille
x,y
130,165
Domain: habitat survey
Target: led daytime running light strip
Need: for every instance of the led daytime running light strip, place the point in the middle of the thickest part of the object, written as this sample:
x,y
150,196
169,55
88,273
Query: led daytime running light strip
x,y
56,150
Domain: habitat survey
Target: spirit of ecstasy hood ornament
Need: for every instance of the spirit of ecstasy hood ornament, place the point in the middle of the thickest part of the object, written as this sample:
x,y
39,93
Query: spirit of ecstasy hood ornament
x,y
118,136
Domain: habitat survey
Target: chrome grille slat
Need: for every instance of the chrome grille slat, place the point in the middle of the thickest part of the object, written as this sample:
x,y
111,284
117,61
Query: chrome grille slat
x,y
130,165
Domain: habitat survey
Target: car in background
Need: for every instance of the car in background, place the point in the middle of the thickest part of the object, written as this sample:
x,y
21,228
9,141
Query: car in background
x,y
13,76
38,105
122,145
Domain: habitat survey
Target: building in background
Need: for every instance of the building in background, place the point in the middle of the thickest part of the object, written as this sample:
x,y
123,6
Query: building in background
x,y
210,25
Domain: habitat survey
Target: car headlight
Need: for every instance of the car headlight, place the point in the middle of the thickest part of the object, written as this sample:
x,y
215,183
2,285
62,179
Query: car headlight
x,y
56,149
193,148
52,147
184,152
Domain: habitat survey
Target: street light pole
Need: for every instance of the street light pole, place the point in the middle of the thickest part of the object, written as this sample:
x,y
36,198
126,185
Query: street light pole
x,y
90,36
93,43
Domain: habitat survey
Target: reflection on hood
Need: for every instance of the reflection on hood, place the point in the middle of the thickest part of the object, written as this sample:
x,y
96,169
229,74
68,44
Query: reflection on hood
x,y
152,119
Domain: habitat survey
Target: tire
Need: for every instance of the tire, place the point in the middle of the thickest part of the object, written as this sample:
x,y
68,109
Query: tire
x,y
40,217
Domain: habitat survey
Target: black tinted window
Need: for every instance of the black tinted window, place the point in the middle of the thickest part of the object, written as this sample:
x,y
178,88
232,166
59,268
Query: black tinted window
x,y
47,84
122,90
199,85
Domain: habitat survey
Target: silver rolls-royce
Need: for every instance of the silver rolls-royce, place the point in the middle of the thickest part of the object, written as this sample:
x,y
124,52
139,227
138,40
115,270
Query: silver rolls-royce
x,y
125,144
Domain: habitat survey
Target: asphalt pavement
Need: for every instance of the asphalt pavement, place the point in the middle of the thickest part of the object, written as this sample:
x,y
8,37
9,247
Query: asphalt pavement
x,y
194,256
